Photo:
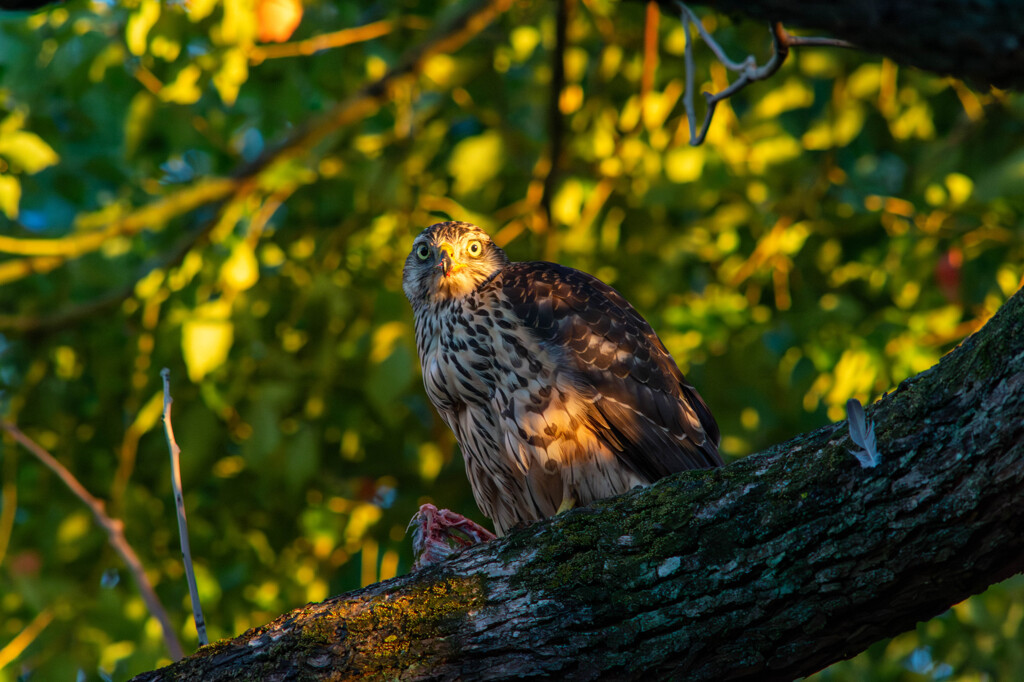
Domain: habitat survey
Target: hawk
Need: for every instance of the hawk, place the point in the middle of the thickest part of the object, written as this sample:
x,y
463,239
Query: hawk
x,y
558,391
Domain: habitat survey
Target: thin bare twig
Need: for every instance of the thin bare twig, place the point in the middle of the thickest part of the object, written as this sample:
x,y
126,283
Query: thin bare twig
x,y
115,533
809,41
179,502
748,69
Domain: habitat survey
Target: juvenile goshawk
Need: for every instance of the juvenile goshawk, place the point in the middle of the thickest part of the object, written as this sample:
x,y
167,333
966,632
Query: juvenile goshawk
x,y
558,391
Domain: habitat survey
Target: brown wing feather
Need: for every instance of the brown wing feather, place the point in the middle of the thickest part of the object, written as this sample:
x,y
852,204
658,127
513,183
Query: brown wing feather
x,y
644,408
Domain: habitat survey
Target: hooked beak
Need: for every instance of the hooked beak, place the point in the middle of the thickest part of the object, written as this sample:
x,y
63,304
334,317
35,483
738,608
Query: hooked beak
x,y
444,263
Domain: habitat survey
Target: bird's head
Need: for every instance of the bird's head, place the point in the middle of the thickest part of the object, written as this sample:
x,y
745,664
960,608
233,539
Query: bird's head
x,y
449,260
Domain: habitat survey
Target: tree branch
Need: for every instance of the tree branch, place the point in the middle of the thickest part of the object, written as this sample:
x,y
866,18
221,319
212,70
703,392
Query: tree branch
x,y
114,529
979,42
767,569
748,69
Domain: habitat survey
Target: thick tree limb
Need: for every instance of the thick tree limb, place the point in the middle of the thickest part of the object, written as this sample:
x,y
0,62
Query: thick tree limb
x,y
981,42
767,569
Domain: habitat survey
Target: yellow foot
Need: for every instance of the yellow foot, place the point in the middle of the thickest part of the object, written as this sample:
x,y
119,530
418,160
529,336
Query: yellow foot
x,y
567,504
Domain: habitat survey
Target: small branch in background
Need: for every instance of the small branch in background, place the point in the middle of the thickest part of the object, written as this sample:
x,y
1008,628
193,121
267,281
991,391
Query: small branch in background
x,y
10,652
748,69
556,123
179,502
324,41
651,21
115,534
61,319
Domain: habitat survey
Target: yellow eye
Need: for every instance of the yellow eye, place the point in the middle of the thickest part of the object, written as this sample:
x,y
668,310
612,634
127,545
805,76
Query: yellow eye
x,y
475,248
423,252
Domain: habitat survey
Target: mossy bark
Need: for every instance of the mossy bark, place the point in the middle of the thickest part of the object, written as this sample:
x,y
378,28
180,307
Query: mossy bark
x,y
767,569
981,41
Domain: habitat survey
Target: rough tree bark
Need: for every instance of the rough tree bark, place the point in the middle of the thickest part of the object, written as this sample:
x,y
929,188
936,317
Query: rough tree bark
x,y
981,41
767,569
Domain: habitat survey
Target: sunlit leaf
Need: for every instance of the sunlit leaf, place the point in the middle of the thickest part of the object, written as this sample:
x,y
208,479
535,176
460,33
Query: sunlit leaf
x,y
139,24
277,19
199,9
27,151
10,195
837,132
184,88
232,74
524,40
792,94
476,160
684,164
206,340
241,270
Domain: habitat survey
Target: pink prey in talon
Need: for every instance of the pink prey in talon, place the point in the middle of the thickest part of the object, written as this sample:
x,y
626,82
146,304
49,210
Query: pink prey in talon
x,y
437,533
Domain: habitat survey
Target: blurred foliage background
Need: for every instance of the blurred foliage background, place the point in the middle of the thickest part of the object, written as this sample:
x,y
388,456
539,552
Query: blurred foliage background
x,y
198,185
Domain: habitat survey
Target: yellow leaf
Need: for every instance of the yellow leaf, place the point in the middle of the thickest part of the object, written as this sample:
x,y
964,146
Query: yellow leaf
x,y
165,48
139,25
524,41
793,94
476,160
684,164
14,121
111,55
140,114
241,270
27,151
772,151
430,460
855,374
385,339
960,187
198,10
10,195
568,202
147,287
837,132
149,414
232,74
360,520
439,69
184,89
239,24
206,340
113,654
73,527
